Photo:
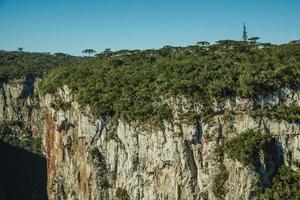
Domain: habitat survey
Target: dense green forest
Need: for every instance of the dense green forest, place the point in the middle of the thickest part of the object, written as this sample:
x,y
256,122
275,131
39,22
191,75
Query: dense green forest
x,y
17,64
130,83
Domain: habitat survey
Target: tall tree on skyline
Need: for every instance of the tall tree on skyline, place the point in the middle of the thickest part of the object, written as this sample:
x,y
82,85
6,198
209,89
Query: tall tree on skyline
x,y
88,51
245,36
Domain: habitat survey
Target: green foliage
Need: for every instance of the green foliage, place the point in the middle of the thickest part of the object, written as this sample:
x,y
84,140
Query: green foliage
x,y
296,163
89,51
285,186
101,171
28,144
122,194
32,145
246,145
61,105
130,84
289,113
24,64
219,181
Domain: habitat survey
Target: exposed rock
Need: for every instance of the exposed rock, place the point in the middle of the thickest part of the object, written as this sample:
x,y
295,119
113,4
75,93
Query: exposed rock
x,y
177,161
94,158
20,107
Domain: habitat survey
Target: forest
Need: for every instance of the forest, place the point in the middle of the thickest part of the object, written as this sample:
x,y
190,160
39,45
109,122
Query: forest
x,y
129,83
132,84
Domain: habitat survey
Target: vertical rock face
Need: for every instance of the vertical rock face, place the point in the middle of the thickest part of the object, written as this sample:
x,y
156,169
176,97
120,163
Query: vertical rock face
x,y
90,158
20,107
23,173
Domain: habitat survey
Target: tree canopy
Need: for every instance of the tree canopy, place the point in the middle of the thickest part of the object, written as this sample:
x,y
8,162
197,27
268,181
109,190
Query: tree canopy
x,y
130,83
88,51
14,64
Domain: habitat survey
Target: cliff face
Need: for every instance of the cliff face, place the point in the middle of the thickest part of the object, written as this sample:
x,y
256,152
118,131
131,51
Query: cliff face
x,y
90,158
23,173
20,107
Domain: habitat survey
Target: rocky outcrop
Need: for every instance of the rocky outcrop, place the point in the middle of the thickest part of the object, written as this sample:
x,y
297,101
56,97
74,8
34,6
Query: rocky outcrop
x,y
96,158
111,158
23,173
20,107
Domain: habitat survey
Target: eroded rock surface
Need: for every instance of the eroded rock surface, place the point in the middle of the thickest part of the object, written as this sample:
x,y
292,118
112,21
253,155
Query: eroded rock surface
x,y
101,158
93,158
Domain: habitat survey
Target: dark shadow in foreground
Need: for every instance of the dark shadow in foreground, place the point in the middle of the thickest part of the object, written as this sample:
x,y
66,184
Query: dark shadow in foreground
x,y
23,175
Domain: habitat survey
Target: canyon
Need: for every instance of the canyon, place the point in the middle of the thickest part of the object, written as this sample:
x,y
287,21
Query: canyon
x,y
91,157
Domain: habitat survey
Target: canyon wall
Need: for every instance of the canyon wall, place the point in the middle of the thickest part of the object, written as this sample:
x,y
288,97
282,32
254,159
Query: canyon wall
x,y
20,107
93,158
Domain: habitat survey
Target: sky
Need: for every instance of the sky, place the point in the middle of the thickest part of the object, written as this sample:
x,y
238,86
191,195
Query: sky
x,y
70,26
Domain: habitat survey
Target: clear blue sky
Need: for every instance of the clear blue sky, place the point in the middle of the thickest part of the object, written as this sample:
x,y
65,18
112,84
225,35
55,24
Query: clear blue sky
x,y
72,25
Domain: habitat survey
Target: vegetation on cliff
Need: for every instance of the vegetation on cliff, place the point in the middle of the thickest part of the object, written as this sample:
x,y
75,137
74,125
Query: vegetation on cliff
x,y
246,145
14,65
285,185
289,113
218,184
130,83
8,136
133,85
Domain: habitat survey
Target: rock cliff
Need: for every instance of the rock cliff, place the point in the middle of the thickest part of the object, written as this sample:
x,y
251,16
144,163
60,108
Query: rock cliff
x,y
96,158
20,107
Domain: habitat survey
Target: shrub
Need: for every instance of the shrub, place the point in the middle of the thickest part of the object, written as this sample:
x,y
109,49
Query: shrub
x,y
219,181
61,105
246,145
122,194
289,113
285,186
29,144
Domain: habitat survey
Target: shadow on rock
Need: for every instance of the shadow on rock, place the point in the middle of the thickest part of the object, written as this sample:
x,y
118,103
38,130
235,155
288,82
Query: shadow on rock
x,y
267,164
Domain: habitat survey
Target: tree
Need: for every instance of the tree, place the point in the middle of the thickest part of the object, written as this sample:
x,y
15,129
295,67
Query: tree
x,y
253,41
62,57
245,36
294,42
20,49
88,51
105,54
203,43
267,45
228,43
59,54
107,51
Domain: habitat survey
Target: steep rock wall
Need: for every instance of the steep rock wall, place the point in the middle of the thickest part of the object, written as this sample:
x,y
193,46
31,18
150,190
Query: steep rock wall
x,y
92,158
20,107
